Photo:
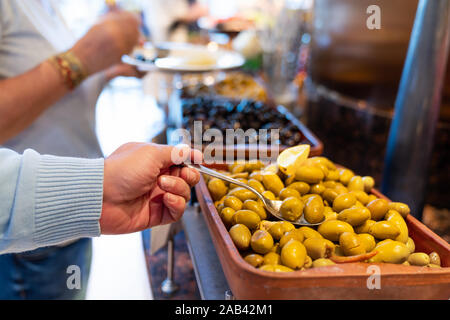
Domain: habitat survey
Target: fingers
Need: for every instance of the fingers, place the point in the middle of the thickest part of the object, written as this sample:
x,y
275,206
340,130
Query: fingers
x,y
175,205
175,155
192,177
176,186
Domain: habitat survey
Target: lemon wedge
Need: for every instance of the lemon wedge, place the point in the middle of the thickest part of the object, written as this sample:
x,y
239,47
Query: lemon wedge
x,y
292,158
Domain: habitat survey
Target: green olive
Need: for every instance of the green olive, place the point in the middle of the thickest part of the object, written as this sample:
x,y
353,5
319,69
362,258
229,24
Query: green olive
x,y
275,268
232,185
256,175
289,192
431,265
233,202
301,187
367,241
242,194
411,245
351,244
256,207
276,231
220,207
261,242
253,165
330,184
340,189
371,198
378,209
308,262
419,259
309,174
435,259
269,195
365,227
333,175
397,219
390,252
276,248
319,248
292,208
323,161
236,167
290,179
322,263
384,230
314,209
246,217
361,196
272,182
406,263
287,226
293,254
356,184
369,183
344,201
329,194
400,207
217,188
329,214
254,259
345,175
266,224
227,216
241,236
272,258
255,184
309,232
317,188
338,251
295,234
332,229
355,216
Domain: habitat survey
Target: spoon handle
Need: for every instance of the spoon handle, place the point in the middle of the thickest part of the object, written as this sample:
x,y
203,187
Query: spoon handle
x,y
218,175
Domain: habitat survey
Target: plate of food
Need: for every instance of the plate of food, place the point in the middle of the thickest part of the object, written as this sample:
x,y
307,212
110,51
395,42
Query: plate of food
x,y
142,57
185,57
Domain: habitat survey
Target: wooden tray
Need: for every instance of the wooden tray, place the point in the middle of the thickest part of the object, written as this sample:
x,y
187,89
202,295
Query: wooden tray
x,y
341,281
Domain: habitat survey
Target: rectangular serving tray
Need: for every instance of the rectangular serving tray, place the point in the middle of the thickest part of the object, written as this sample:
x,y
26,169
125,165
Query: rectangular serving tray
x,y
176,114
340,281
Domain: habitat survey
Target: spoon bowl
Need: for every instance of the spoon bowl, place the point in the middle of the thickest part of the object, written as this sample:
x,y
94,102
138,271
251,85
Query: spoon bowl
x,y
272,206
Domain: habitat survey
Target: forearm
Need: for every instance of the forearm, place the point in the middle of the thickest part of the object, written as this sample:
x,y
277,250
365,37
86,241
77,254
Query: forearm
x,y
46,200
25,97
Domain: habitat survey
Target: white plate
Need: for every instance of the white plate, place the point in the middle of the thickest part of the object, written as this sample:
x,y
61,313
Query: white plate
x,y
148,51
195,58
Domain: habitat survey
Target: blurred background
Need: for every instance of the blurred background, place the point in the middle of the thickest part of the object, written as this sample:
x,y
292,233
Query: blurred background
x,y
313,57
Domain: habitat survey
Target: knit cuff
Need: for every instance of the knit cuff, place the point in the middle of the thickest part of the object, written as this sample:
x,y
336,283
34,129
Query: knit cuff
x,y
69,196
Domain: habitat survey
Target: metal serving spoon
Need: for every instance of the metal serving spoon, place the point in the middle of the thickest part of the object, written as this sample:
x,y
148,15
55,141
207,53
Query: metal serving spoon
x,y
273,206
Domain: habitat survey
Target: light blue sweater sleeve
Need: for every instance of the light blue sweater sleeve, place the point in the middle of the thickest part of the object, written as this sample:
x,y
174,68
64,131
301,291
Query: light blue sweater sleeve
x,y
47,200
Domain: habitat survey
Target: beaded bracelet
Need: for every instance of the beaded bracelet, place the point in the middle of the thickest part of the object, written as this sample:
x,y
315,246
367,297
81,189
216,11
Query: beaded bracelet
x,y
70,68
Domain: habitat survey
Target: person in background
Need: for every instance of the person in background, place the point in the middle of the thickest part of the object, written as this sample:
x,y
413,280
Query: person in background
x,y
141,185
49,85
169,20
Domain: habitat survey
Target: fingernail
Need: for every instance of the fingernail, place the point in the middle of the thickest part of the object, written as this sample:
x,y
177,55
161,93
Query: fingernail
x,y
167,183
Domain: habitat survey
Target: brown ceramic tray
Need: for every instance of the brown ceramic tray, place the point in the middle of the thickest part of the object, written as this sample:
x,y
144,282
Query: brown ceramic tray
x,y
341,281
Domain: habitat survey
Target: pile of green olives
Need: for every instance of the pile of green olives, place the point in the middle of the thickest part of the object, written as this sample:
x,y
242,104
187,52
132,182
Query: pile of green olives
x,y
356,222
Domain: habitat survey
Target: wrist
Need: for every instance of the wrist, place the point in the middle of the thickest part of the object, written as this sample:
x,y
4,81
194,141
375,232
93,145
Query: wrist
x,y
71,69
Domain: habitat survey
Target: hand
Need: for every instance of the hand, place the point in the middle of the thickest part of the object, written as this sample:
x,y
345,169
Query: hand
x,y
116,34
143,189
123,70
